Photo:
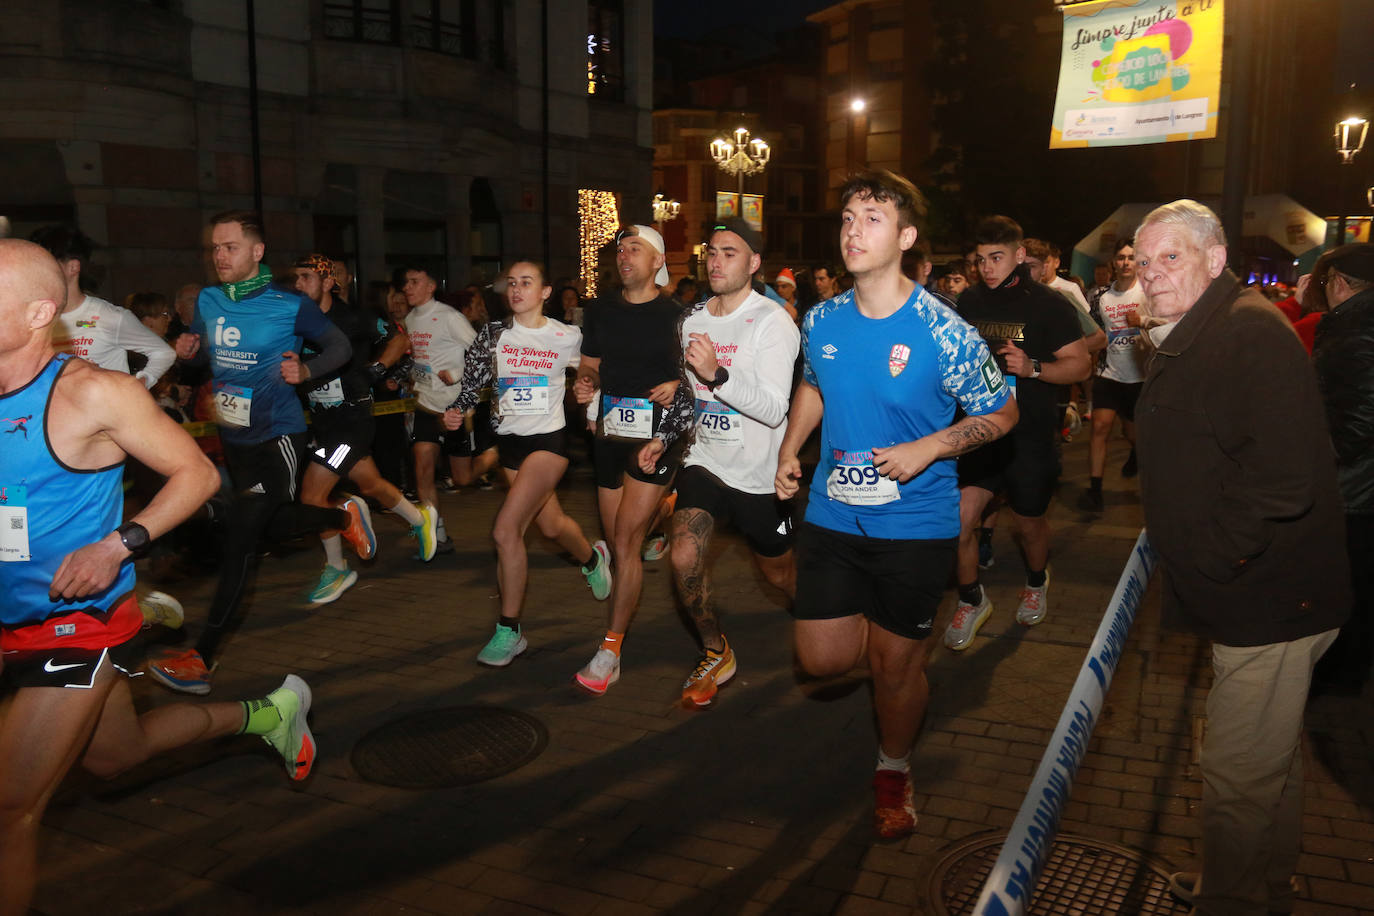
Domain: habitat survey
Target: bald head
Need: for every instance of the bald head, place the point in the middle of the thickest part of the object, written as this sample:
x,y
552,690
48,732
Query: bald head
x,y
32,290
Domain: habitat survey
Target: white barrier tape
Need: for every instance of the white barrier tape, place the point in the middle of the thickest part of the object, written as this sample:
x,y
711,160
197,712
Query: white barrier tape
x,y
1009,886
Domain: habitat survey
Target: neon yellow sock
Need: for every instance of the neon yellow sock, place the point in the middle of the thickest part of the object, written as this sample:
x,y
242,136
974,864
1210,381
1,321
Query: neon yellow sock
x,y
259,717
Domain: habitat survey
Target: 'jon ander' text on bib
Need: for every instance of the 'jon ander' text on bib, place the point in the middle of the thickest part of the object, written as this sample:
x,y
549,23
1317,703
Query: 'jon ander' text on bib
x,y
856,482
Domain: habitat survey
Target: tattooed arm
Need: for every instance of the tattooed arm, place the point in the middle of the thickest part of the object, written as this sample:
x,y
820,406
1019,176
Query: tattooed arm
x,y
905,460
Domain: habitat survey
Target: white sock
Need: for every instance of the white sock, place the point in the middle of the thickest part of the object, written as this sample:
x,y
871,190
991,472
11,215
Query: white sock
x,y
900,764
333,552
440,533
406,510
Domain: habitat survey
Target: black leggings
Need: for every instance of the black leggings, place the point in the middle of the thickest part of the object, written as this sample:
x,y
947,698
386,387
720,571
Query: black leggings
x,y
266,479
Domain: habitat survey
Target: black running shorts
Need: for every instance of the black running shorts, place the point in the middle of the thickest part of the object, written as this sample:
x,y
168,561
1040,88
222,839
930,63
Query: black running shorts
x,y
342,436
1109,394
896,584
763,519
1025,467
513,450
615,458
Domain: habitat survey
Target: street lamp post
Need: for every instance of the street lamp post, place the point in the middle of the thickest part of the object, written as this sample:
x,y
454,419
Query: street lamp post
x,y
1350,136
665,208
739,157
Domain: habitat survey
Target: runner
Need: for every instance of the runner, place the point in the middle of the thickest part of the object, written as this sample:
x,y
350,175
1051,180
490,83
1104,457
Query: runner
x,y
94,328
68,622
342,427
1119,309
631,351
741,349
1039,345
439,336
885,367
528,356
251,331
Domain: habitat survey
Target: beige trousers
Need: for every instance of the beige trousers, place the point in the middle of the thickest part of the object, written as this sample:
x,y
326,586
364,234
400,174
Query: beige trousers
x,y
1252,775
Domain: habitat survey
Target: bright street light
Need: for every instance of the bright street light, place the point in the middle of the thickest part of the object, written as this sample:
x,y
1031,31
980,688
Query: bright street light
x,y
857,106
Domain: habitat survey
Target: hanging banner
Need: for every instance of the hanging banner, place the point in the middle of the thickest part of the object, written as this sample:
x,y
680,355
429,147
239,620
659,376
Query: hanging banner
x,y
1138,71
727,205
753,211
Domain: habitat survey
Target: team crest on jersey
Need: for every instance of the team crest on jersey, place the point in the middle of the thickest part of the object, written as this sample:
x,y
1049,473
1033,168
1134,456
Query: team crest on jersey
x,y
897,359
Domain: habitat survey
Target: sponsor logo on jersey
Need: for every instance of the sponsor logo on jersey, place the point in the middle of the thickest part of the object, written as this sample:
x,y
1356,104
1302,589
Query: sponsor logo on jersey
x,y
897,359
828,351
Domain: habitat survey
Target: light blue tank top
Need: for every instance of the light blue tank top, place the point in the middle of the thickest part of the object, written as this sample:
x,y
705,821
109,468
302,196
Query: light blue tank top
x,y
48,510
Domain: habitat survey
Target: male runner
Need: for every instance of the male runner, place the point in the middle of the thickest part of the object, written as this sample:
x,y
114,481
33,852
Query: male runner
x,y
91,327
342,427
885,367
473,454
1119,309
68,621
1034,332
741,349
632,351
439,337
251,331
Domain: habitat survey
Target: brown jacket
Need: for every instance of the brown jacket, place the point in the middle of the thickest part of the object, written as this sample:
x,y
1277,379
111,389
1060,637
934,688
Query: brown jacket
x,y
1238,477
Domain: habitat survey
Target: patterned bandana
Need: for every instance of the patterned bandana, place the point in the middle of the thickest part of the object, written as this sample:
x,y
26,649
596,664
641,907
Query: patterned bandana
x,y
244,288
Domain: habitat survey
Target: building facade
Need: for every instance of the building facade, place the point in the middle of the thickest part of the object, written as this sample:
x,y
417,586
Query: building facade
x,y
456,133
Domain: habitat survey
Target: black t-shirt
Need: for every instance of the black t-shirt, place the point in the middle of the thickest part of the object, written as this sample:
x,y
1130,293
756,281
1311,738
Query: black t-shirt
x,y
363,330
1038,320
638,345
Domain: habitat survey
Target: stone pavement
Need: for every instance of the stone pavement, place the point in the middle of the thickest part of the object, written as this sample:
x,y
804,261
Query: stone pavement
x,y
759,804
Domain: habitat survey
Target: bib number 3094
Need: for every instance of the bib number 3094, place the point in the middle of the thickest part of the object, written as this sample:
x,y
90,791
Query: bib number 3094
x,y
856,482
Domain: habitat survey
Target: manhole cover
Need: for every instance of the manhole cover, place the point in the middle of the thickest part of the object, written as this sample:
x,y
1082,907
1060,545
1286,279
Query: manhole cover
x,y
1082,876
449,747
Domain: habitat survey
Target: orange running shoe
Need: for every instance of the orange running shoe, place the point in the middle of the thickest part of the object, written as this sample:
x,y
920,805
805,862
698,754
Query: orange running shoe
x,y
894,811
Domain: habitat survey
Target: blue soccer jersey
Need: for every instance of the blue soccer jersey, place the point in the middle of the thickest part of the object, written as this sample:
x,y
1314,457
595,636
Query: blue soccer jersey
x,y
887,381
245,340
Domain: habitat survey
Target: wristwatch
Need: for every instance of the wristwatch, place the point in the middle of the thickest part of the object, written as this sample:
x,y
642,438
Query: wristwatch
x,y
135,538
1035,368
720,378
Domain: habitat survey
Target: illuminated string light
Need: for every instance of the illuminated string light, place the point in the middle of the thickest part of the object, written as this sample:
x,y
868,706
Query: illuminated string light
x,y
598,221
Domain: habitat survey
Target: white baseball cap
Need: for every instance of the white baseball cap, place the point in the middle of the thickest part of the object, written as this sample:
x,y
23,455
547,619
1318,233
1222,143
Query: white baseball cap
x,y
650,235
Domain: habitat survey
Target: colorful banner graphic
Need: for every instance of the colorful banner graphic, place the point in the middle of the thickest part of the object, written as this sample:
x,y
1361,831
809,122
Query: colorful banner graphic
x,y
753,211
1138,71
727,205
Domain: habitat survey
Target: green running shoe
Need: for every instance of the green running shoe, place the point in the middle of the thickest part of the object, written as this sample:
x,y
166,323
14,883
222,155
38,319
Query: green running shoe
x,y
292,738
333,583
600,578
426,533
502,648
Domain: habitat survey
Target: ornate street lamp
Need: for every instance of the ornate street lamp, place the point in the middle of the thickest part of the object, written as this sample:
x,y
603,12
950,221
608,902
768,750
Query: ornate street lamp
x,y
665,208
741,156
1350,136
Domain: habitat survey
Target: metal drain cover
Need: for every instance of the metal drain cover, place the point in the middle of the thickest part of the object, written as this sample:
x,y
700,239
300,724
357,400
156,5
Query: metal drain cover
x,y
1083,877
455,746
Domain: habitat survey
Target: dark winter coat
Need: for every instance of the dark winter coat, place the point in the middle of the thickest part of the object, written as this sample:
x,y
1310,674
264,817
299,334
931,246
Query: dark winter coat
x,y
1343,355
1238,478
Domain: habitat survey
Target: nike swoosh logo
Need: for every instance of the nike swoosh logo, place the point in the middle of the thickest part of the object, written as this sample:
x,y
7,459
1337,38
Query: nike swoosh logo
x,y
49,667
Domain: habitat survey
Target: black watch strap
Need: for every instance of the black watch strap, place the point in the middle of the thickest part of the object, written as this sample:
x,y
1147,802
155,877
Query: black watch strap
x,y
720,378
135,538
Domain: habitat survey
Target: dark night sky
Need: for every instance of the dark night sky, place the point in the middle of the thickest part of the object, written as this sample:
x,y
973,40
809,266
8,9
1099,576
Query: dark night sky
x,y
754,18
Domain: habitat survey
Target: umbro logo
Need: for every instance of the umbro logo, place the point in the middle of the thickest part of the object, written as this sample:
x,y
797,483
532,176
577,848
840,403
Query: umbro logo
x,y
828,351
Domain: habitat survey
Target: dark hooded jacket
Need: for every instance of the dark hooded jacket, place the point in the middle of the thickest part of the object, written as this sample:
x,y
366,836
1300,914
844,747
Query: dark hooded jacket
x,y
1343,354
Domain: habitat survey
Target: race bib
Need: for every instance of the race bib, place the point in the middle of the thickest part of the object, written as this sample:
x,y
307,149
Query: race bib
x,y
14,524
233,405
524,395
629,418
856,482
1123,338
330,395
719,425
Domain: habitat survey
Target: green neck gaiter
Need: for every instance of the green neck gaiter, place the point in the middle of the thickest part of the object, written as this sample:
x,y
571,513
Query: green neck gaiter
x,y
244,288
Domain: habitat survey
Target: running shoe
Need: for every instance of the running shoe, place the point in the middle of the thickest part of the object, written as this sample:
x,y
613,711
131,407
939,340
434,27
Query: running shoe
x,y
484,483
333,583
503,646
601,672
292,738
359,532
1091,501
1131,467
968,618
426,533
161,608
1035,603
183,671
894,808
711,672
600,578
656,548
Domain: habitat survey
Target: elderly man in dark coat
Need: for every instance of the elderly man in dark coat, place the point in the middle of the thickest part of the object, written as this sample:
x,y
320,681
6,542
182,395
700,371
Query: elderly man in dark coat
x,y
1239,488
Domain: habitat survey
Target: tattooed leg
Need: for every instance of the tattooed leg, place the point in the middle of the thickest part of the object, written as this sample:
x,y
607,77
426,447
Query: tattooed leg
x,y
691,535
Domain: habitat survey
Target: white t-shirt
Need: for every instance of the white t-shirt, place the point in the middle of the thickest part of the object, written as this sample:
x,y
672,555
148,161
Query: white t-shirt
x,y
1070,289
740,425
531,376
1125,358
103,333
439,336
